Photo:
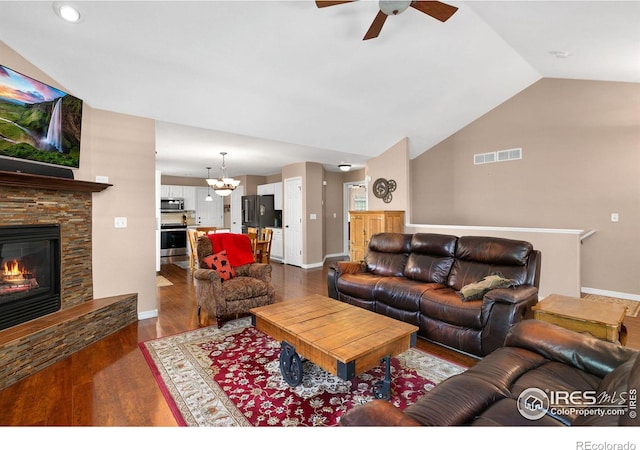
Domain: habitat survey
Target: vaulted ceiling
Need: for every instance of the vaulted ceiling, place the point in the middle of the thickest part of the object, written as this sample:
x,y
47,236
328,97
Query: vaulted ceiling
x,y
277,82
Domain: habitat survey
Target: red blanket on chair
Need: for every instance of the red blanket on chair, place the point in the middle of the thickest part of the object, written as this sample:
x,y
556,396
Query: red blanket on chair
x,y
237,246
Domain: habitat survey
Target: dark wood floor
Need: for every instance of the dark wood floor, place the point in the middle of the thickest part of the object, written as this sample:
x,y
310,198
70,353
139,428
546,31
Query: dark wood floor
x,y
109,383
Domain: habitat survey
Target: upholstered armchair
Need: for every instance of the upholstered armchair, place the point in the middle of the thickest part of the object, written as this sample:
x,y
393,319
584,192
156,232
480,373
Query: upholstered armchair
x,y
248,286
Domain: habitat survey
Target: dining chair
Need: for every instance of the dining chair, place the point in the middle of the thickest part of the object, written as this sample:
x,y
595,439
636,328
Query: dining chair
x,y
265,236
207,230
253,238
193,235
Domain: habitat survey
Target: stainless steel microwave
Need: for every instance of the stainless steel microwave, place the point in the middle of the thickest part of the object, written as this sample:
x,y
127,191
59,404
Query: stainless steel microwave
x,y
171,204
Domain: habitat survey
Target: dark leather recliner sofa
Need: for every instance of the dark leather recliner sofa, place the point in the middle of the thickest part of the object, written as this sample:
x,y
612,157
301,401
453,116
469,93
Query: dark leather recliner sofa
x,y
417,278
544,375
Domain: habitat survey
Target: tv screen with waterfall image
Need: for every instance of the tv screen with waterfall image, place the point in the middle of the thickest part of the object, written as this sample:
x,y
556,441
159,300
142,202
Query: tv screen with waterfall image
x,y
38,122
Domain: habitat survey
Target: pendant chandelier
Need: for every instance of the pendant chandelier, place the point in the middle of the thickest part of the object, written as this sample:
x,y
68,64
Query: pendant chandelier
x,y
224,185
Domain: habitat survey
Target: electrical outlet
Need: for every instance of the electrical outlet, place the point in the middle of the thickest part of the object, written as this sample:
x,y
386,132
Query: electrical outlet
x,y
120,222
615,217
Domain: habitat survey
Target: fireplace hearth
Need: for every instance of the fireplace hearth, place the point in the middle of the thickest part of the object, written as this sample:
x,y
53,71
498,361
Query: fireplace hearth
x,y
29,273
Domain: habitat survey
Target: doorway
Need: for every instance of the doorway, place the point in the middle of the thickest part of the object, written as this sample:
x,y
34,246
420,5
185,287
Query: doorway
x,y
355,199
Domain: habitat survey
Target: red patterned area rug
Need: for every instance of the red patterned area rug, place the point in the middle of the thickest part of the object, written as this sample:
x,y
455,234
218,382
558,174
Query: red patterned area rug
x,y
231,377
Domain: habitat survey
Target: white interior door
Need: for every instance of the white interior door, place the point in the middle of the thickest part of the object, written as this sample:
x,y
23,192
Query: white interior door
x,y
293,221
236,210
209,214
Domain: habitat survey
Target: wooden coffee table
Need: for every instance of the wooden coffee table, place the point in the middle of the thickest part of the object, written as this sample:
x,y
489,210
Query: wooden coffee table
x,y
343,339
602,320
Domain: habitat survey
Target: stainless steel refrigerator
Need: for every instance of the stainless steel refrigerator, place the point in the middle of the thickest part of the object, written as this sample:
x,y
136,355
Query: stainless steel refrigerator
x,y
257,211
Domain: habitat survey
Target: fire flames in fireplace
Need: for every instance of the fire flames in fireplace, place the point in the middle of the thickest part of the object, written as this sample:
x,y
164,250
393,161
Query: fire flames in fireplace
x,y
16,278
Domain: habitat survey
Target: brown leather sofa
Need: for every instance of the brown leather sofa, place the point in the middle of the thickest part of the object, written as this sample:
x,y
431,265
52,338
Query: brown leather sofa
x,y
553,375
417,278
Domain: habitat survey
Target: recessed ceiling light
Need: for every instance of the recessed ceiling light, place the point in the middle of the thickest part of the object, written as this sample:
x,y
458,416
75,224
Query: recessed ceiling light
x,y
67,12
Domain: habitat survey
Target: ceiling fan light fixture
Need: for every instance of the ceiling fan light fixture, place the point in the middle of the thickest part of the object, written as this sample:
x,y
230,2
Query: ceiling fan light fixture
x,y
344,167
393,7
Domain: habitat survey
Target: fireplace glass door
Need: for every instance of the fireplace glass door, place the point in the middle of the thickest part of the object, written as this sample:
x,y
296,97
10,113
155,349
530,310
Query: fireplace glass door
x,y
29,273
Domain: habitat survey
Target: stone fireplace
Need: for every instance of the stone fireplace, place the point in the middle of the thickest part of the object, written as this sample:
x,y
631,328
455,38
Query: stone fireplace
x,y
41,203
61,209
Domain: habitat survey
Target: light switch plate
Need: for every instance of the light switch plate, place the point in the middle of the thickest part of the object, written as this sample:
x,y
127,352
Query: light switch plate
x,y
120,222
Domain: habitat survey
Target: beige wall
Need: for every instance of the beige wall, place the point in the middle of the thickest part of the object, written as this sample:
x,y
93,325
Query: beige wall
x,y
581,162
333,214
313,241
184,181
122,148
393,164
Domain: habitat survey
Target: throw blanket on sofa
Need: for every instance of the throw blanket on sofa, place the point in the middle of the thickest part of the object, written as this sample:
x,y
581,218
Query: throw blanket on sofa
x,y
237,246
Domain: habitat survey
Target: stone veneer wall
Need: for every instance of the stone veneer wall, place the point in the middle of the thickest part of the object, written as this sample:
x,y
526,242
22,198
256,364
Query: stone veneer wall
x,y
70,210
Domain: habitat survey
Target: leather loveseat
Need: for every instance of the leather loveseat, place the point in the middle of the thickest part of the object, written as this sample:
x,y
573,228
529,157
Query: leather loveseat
x,y
544,375
417,278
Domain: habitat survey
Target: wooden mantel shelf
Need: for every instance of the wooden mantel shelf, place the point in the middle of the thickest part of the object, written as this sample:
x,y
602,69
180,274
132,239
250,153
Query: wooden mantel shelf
x,y
19,179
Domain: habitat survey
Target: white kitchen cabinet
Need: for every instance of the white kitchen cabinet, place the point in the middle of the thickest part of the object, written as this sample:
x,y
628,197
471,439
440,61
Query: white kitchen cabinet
x,y
277,245
277,196
189,197
171,191
274,189
265,189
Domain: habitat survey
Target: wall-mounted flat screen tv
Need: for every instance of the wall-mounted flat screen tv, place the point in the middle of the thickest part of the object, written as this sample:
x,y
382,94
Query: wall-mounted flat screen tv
x,y
38,122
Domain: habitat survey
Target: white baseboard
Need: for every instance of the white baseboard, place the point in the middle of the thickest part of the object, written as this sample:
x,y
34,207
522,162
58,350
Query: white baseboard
x,y
321,263
147,314
615,294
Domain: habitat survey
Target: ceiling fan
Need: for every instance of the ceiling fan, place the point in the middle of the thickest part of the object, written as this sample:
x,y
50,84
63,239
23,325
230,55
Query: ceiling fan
x,y
437,10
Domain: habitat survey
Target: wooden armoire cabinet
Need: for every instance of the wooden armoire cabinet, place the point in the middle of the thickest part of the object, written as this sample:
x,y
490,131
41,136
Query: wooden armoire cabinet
x,y
364,224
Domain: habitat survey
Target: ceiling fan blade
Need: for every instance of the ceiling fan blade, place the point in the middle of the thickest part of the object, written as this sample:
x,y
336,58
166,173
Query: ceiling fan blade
x,y
437,10
320,4
376,26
